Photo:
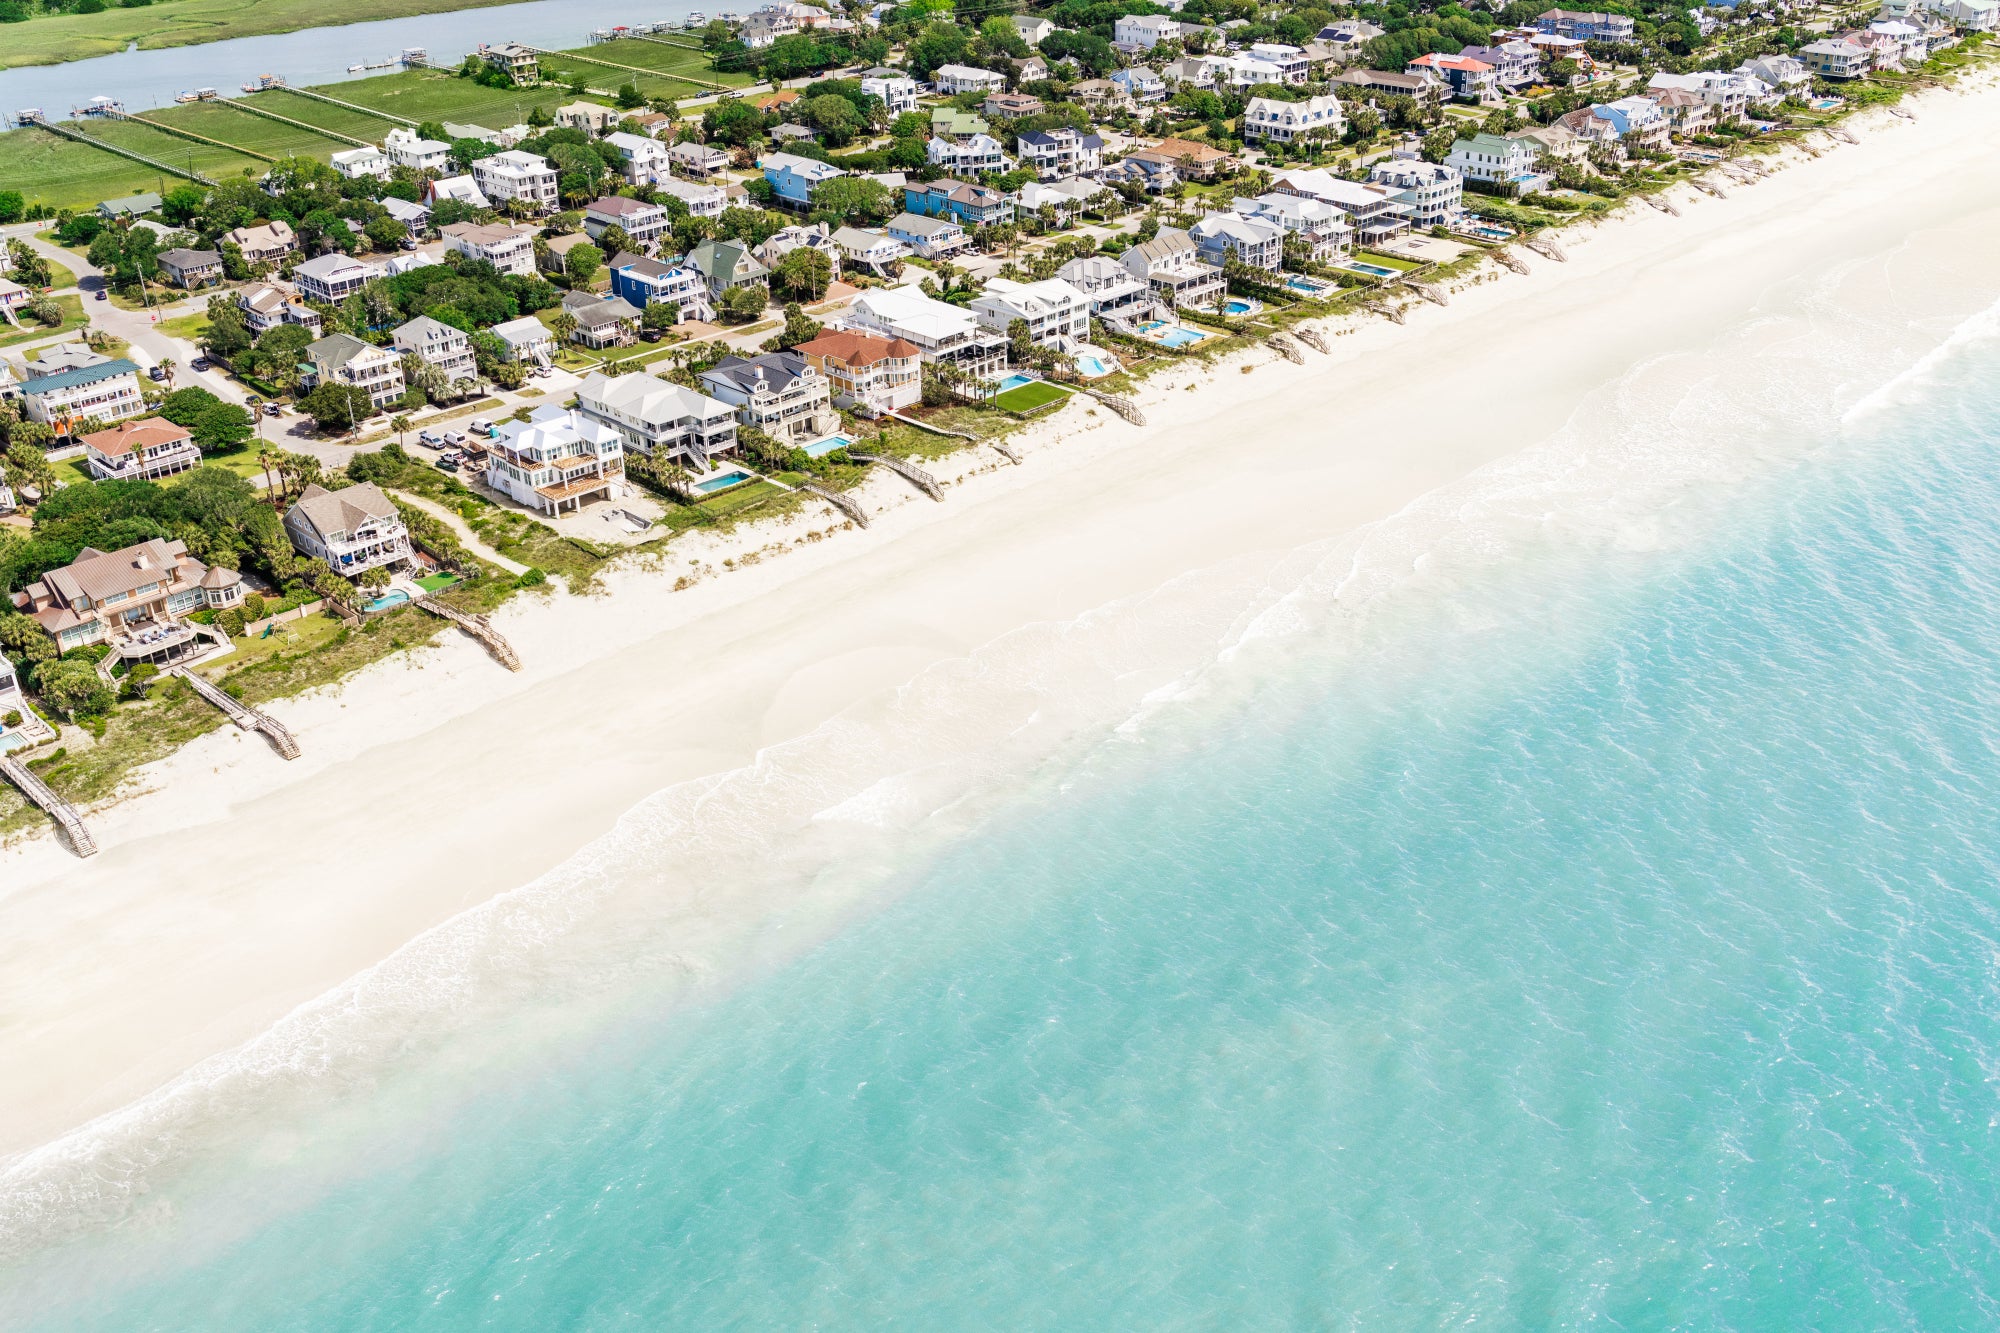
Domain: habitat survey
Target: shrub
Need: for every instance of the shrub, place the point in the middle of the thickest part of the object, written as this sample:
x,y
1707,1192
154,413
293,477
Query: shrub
x,y
531,577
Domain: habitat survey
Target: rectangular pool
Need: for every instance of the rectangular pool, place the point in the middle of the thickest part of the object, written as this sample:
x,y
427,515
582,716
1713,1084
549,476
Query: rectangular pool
x,y
821,448
721,483
1372,270
1014,381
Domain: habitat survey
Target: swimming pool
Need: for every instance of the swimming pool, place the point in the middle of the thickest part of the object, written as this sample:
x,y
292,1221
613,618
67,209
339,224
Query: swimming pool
x,y
1310,286
721,483
394,597
1094,367
821,448
1171,335
1373,270
1236,305
1013,381
1487,230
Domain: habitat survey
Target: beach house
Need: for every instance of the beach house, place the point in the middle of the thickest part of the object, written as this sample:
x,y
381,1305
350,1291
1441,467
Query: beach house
x,y
659,419
354,529
527,339
698,160
870,249
898,92
1837,58
1113,290
865,371
591,117
964,203
794,178
938,330
1319,227
411,151
1585,27
135,599
141,449
1060,153
643,282
526,180
1143,32
1275,121
267,243
189,269
437,344
331,279
701,201
1251,241
1057,314
456,189
602,321
780,393
1498,160
1431,193
509,250
342,358
354,163
1516,64
63,390
642,160
1175,268
645,223
950,80
726,264
1468,79
974,154
557,461
1372,210
928,238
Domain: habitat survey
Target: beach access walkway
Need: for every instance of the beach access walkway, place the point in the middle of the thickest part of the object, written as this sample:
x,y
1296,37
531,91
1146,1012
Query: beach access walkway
x,y
58,809
463,530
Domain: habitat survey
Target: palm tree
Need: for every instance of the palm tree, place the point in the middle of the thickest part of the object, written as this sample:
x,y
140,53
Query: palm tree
x,y
399,424
563,325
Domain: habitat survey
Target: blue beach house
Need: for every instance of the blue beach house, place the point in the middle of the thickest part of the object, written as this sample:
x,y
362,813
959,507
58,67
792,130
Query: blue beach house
x,y
794,178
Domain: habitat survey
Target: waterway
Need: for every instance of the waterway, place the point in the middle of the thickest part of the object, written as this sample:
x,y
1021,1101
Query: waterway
x,y
146,79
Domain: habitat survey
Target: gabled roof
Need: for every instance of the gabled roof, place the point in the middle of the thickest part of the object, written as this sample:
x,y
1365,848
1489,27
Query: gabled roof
x,y
851,347
146,432
774,371
343,510
81,375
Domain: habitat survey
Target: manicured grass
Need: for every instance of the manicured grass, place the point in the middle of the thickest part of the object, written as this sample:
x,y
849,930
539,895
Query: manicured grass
x,y
597,76
216,121
190,327
1028,397
50,41
1386,261
73,318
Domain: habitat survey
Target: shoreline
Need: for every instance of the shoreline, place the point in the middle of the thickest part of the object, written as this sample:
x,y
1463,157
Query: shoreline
x,y
203,922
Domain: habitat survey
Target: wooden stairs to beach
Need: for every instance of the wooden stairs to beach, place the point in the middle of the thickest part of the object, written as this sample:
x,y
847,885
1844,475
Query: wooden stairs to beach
x,y
1430,292
1546,248
58,809
846,504
909,472
480,628
1502,255
1313,338
244,716
1708,187
1120,404
1284,347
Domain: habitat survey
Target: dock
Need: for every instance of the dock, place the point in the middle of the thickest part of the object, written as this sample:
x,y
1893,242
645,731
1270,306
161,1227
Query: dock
x,y
479,628
57,808
72,133
347,106
295,124
244,716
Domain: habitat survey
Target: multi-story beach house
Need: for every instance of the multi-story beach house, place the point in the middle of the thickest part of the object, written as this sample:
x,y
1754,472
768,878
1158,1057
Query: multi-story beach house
x,y
659,419
1141,86
1372,210
64,390
642,161
1057,314
517,62
266,307
726,264
698,160
1636,122
135,599
557,461
779,393
1250,241
939,331
189,269
507,249
593,118
141,449
1174,267
865,371
342,358
439,344
870,249
354,163
643,282
1273,121
456,189
602,321
1063,199
354,529
267,243
794,178
951,80
331,279
1318,226
1837,58
929,238
515,177
1010,106
1470,80
803,236
1727,92
1113,290
1498,159
898,92
975,154
1585,27
966,204
411,151
527,340
1516,64
1431,193
1145,31
645,223
1060,153
702,201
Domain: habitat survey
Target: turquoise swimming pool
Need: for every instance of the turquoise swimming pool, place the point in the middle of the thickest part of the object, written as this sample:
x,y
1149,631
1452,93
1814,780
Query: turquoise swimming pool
x,y
821,448
394,597
1373,270
1094,367
721,483
1171,335
1310,286
1236,305
1013,381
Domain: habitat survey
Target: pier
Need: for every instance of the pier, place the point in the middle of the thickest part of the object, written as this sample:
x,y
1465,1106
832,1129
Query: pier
x,y
627,69
244,716
345,106
57,808
72,133
287,120
479,628
189,135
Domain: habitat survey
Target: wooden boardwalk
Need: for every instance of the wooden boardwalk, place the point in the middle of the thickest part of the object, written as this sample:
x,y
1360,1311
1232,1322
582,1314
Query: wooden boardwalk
x,y
58,809
479,628
244,716
909,472
844,503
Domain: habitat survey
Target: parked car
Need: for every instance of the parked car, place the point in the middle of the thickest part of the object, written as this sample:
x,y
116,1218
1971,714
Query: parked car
x,y
454,437
448,464
103,295
481,427
156,374
273,410
199,363
431,438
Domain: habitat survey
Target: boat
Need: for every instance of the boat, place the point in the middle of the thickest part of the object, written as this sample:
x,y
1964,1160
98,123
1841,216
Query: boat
x,y
416,55
356,69
263,83
188,95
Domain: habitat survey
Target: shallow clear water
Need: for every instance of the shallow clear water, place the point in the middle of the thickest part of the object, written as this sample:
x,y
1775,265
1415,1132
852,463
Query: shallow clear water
x,y
1608,937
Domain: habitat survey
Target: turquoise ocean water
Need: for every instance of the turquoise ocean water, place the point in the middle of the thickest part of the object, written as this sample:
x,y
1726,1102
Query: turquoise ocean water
x,y
1607,937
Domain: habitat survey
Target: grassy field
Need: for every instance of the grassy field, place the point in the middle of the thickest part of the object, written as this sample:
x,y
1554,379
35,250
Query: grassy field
x,y
1028,397
73,318
51,41
355,124
215,121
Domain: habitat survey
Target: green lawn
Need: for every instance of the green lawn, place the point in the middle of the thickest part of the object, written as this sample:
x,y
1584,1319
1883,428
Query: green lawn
x,y
355,124
190,327
1028,397
666,60
1386,261
215,121
73,318
52,40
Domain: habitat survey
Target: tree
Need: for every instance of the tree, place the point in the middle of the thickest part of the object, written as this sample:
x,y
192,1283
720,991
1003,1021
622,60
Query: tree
x,y
337,407
226,334
182,204
1020,341
630,97
733,122
852,200
12,206
563,325
799,327
940,44
834,117
658,317
745,302
401,425
804,273
72,687
614,240
582,263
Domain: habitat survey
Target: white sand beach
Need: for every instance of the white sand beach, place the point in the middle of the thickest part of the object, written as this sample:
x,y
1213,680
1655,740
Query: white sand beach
x,y
239,886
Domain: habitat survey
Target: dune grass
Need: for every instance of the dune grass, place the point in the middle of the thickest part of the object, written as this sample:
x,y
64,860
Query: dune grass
x,y
63,37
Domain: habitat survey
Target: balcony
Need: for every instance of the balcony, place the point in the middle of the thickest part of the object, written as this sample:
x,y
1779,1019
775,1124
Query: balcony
x,y
154,641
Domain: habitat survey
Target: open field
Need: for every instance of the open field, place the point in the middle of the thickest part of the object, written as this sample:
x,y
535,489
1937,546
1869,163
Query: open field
x,y
664,59
215,121
50,170
51,41
355,124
